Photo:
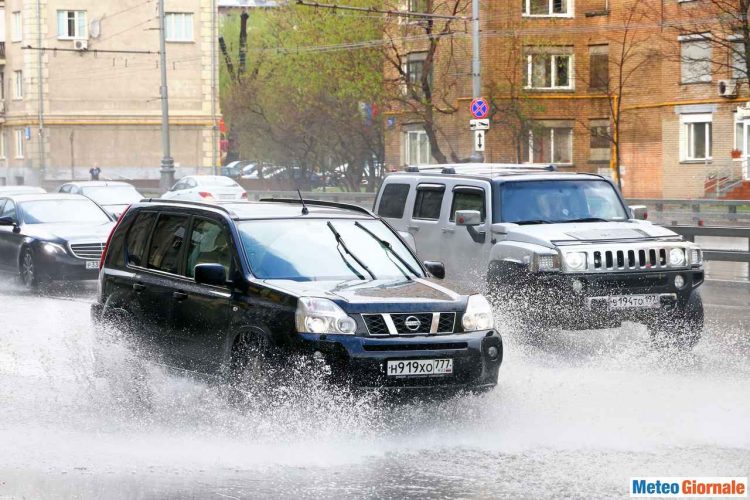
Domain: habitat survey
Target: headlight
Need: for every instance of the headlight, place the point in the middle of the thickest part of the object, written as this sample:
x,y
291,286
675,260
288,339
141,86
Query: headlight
x,y
677,257
53,248
546,262
575,261
478,315
696,257
316,315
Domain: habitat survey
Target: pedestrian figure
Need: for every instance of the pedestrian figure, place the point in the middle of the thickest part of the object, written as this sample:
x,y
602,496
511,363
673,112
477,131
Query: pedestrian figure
x,y
95,171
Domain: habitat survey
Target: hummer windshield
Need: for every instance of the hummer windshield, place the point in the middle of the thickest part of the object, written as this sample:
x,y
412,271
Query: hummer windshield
x,y
557,201
326,249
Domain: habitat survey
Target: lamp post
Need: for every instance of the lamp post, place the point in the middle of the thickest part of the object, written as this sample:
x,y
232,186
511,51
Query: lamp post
x,y
167,162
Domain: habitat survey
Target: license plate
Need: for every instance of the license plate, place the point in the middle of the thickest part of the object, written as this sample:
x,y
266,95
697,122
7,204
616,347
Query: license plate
x,y
633,301
419,367
92,264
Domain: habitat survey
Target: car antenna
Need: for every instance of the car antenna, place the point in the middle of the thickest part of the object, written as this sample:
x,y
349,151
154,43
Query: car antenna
x,y
305,211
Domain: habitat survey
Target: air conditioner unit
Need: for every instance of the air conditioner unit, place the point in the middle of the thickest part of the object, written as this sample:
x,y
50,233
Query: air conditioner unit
x,y
81,44
727,88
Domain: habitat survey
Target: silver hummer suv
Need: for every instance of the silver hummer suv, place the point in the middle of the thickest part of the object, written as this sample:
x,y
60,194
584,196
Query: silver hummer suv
x,y
563,250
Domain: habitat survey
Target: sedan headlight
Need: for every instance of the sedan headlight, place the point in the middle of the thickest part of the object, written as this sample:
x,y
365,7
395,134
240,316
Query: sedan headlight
x,y
677,257
575,261
478,315
316,315
53,248
696,257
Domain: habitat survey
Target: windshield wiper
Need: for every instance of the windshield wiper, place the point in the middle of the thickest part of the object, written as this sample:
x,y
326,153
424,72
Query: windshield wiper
x,y
587,219
387,246
341,243
532,221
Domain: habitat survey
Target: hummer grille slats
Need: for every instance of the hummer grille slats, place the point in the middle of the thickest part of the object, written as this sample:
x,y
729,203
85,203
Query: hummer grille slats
x,y
627,259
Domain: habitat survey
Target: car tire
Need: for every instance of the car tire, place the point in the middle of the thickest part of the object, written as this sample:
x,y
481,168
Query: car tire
x,y
681,328
28,270
251,365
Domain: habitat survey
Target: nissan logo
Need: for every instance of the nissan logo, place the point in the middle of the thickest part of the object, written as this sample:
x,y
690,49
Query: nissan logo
x,y
412,323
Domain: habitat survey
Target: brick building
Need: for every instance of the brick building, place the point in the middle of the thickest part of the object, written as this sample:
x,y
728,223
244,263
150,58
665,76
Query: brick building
x,y
573,82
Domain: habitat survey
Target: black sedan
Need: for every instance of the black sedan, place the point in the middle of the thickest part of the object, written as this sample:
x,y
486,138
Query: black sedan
x,y
46,237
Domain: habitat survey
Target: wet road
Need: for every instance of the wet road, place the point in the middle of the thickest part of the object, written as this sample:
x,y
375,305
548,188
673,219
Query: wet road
x,y
575,418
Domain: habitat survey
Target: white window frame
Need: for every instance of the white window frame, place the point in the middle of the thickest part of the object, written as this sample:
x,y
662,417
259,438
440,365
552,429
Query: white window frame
x,y
20,138
687,146
79,25
698,38
170,19
553,76
570,4
417,134
550,128
18,85
16,26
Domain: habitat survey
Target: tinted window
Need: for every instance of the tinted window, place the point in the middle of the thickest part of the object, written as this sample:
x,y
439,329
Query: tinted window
x,y
393,200
428,202
2,204
468,199
209,244
138,237
9,210
65,188
167,242
68,210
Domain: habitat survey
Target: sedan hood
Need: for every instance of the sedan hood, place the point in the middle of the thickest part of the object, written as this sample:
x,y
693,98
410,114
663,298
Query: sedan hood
x,y
399,295
94,233
550,234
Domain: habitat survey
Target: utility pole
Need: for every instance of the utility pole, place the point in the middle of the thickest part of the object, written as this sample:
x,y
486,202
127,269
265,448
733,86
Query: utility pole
x,y
476,65
40,75
214,72
167,162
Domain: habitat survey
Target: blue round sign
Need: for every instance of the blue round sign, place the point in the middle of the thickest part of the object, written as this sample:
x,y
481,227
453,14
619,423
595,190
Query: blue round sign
x,y
480,109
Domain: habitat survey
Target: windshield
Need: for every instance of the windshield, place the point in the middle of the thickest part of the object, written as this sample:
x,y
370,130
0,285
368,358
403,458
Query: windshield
x,y
113,195
307,250
51,211
558,201
216,180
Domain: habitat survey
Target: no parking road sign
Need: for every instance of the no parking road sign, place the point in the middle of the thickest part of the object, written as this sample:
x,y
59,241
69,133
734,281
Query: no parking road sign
x,y
480,108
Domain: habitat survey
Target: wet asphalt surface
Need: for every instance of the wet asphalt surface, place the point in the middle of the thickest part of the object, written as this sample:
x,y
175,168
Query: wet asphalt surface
x,y
576,418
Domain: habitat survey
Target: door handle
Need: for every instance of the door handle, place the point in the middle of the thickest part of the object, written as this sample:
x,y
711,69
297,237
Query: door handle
x,y
180,296
449,230
413,228
138,287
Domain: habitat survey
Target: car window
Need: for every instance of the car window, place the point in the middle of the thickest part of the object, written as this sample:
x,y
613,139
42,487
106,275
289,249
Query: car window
x,y
2,204
179,186
190,183
49,211
466,198
138,237
9,210
167,242
209,244
393,201
429,201
65,188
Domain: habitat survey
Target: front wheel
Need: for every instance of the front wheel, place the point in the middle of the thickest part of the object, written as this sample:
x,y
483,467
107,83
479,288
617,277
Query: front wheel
x,y
250,369
682,327
29,271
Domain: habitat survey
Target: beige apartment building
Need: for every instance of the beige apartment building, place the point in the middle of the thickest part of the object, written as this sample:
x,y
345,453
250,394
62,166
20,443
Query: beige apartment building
x,y
81,87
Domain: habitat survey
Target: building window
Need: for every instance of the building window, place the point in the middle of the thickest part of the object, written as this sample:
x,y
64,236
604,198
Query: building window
x,y
178,26
599,143
19,143
413,70
549,71
18,85
550,142
547,8
71,24
416,147
16,27
599,67
695,57
739,66
420,6
695,137
740,140
2,146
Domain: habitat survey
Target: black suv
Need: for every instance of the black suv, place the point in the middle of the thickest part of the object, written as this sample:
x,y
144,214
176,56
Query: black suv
x,y
227,287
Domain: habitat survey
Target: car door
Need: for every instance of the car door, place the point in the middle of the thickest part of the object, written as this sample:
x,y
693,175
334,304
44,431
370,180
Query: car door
x,y
202,312
465,255
428,217
10,239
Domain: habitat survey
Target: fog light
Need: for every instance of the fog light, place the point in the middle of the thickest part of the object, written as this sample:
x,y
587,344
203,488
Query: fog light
x,y
577,286
492,352
679,281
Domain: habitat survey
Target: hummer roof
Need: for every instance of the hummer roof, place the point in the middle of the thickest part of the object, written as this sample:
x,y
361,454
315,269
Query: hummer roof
x,y
495,171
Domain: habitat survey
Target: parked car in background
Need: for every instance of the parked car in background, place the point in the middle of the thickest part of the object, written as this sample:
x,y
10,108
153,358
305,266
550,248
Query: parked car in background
x,y
235,289
113,196
238,168
46,237
206,188
13,190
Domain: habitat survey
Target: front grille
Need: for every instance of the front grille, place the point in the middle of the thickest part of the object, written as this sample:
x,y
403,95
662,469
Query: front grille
x,y
624,259
89,251
410,324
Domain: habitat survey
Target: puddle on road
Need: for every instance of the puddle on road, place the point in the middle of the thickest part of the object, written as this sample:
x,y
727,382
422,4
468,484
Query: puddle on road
x,y
583,397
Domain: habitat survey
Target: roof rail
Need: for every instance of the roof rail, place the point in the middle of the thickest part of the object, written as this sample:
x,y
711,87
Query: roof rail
x,y
189,202
453,168
320,203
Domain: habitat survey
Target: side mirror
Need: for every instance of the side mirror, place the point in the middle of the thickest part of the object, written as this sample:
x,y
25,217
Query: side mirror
x,y
7,221
211,274
639,212
437,269
468,218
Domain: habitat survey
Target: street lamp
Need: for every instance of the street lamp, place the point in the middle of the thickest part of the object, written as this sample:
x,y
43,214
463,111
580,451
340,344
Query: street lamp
x,y
167,162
